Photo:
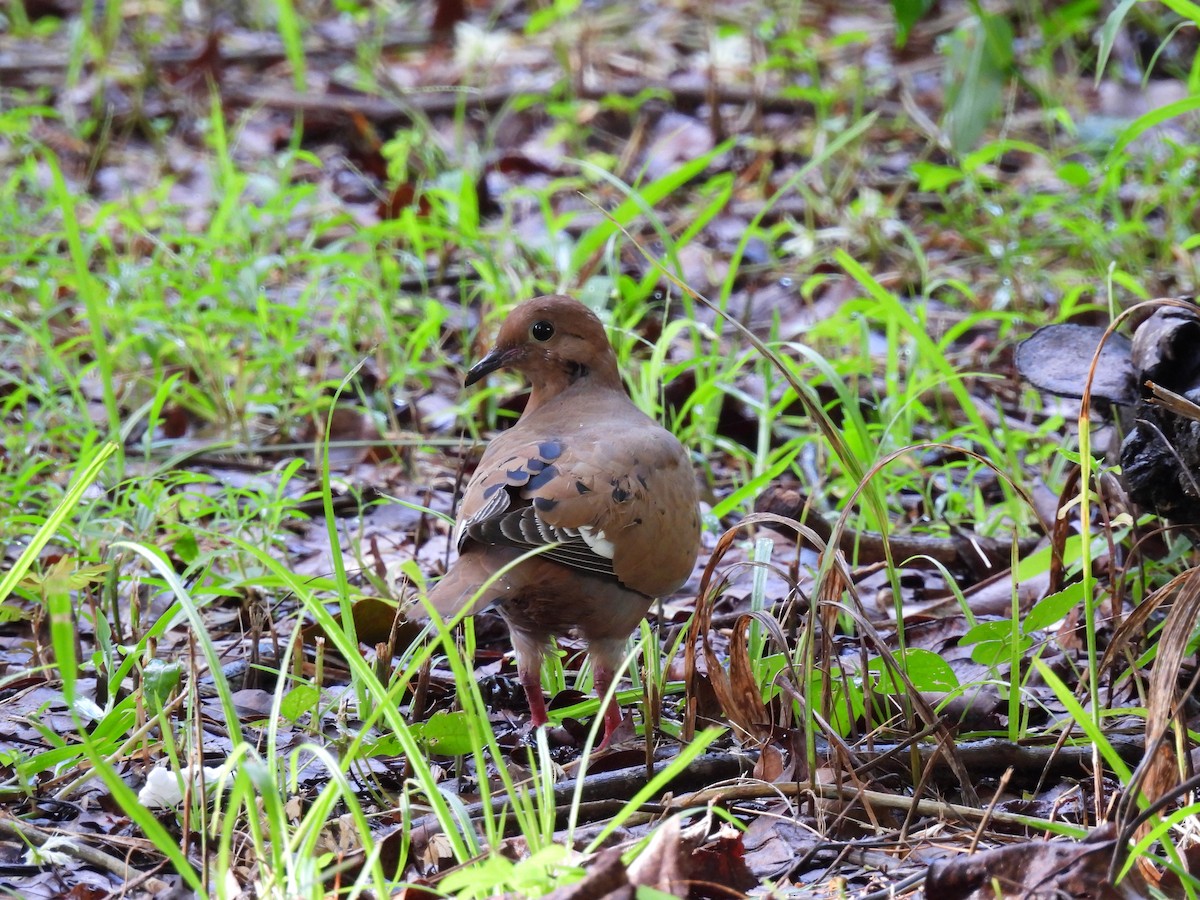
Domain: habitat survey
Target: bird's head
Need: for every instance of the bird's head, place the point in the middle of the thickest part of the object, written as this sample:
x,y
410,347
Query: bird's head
x,y
553,341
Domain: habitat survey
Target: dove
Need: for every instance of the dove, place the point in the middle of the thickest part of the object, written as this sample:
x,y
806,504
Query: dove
x,y
606,493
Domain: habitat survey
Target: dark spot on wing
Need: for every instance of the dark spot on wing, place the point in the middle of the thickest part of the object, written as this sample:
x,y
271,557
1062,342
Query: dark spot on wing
x,y
516,476
620,495
544,504
490,490
582,488
549,450
642,479
535,465
543,478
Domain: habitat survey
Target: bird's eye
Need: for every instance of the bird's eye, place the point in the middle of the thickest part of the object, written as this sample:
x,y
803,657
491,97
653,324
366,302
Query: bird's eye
x,y
541,331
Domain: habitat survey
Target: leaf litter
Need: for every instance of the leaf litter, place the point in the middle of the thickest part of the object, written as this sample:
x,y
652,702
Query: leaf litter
x,y
913,781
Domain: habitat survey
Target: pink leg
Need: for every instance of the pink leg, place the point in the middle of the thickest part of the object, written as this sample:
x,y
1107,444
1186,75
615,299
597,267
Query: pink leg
x,y
531,680
606,658
612,711
529,652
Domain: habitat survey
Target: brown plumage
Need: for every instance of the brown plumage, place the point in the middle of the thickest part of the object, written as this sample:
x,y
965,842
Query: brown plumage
x,y
586,470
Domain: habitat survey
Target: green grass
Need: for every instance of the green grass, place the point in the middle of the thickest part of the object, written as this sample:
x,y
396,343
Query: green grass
x,y
156,344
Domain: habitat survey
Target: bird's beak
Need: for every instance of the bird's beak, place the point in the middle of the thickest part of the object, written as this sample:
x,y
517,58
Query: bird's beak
x,y
497,359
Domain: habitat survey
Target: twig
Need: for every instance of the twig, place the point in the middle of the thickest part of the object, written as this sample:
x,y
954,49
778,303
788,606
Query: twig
x,y
270,50
82,852
618,785
444,101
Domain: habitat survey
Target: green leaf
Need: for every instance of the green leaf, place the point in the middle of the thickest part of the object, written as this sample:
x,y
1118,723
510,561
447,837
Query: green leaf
x,y
299,700
186,548
541,19
1185,8
990,653
1108,34
63,629
646,892
1075,174
925,669
89,469
976,74
934,177
159,680
995,630
447,734
67,577
846,703
1053,609
1038,562
906,13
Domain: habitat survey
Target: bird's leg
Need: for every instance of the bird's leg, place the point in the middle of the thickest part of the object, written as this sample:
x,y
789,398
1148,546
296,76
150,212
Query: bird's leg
x,y
531,680
529,670
606,657
603,676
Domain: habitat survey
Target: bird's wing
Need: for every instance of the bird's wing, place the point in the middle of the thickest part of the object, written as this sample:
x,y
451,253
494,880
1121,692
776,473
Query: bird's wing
x,y
621,505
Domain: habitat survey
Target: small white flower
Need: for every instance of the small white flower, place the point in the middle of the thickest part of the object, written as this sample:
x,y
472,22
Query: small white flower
x,y
48,854
164,786
475,46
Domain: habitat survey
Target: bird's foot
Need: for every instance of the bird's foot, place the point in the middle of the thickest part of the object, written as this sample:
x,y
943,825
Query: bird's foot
x,y
557,736
617,728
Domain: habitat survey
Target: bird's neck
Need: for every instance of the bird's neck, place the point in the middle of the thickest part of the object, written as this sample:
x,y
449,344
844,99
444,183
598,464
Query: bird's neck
x,y
573,380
